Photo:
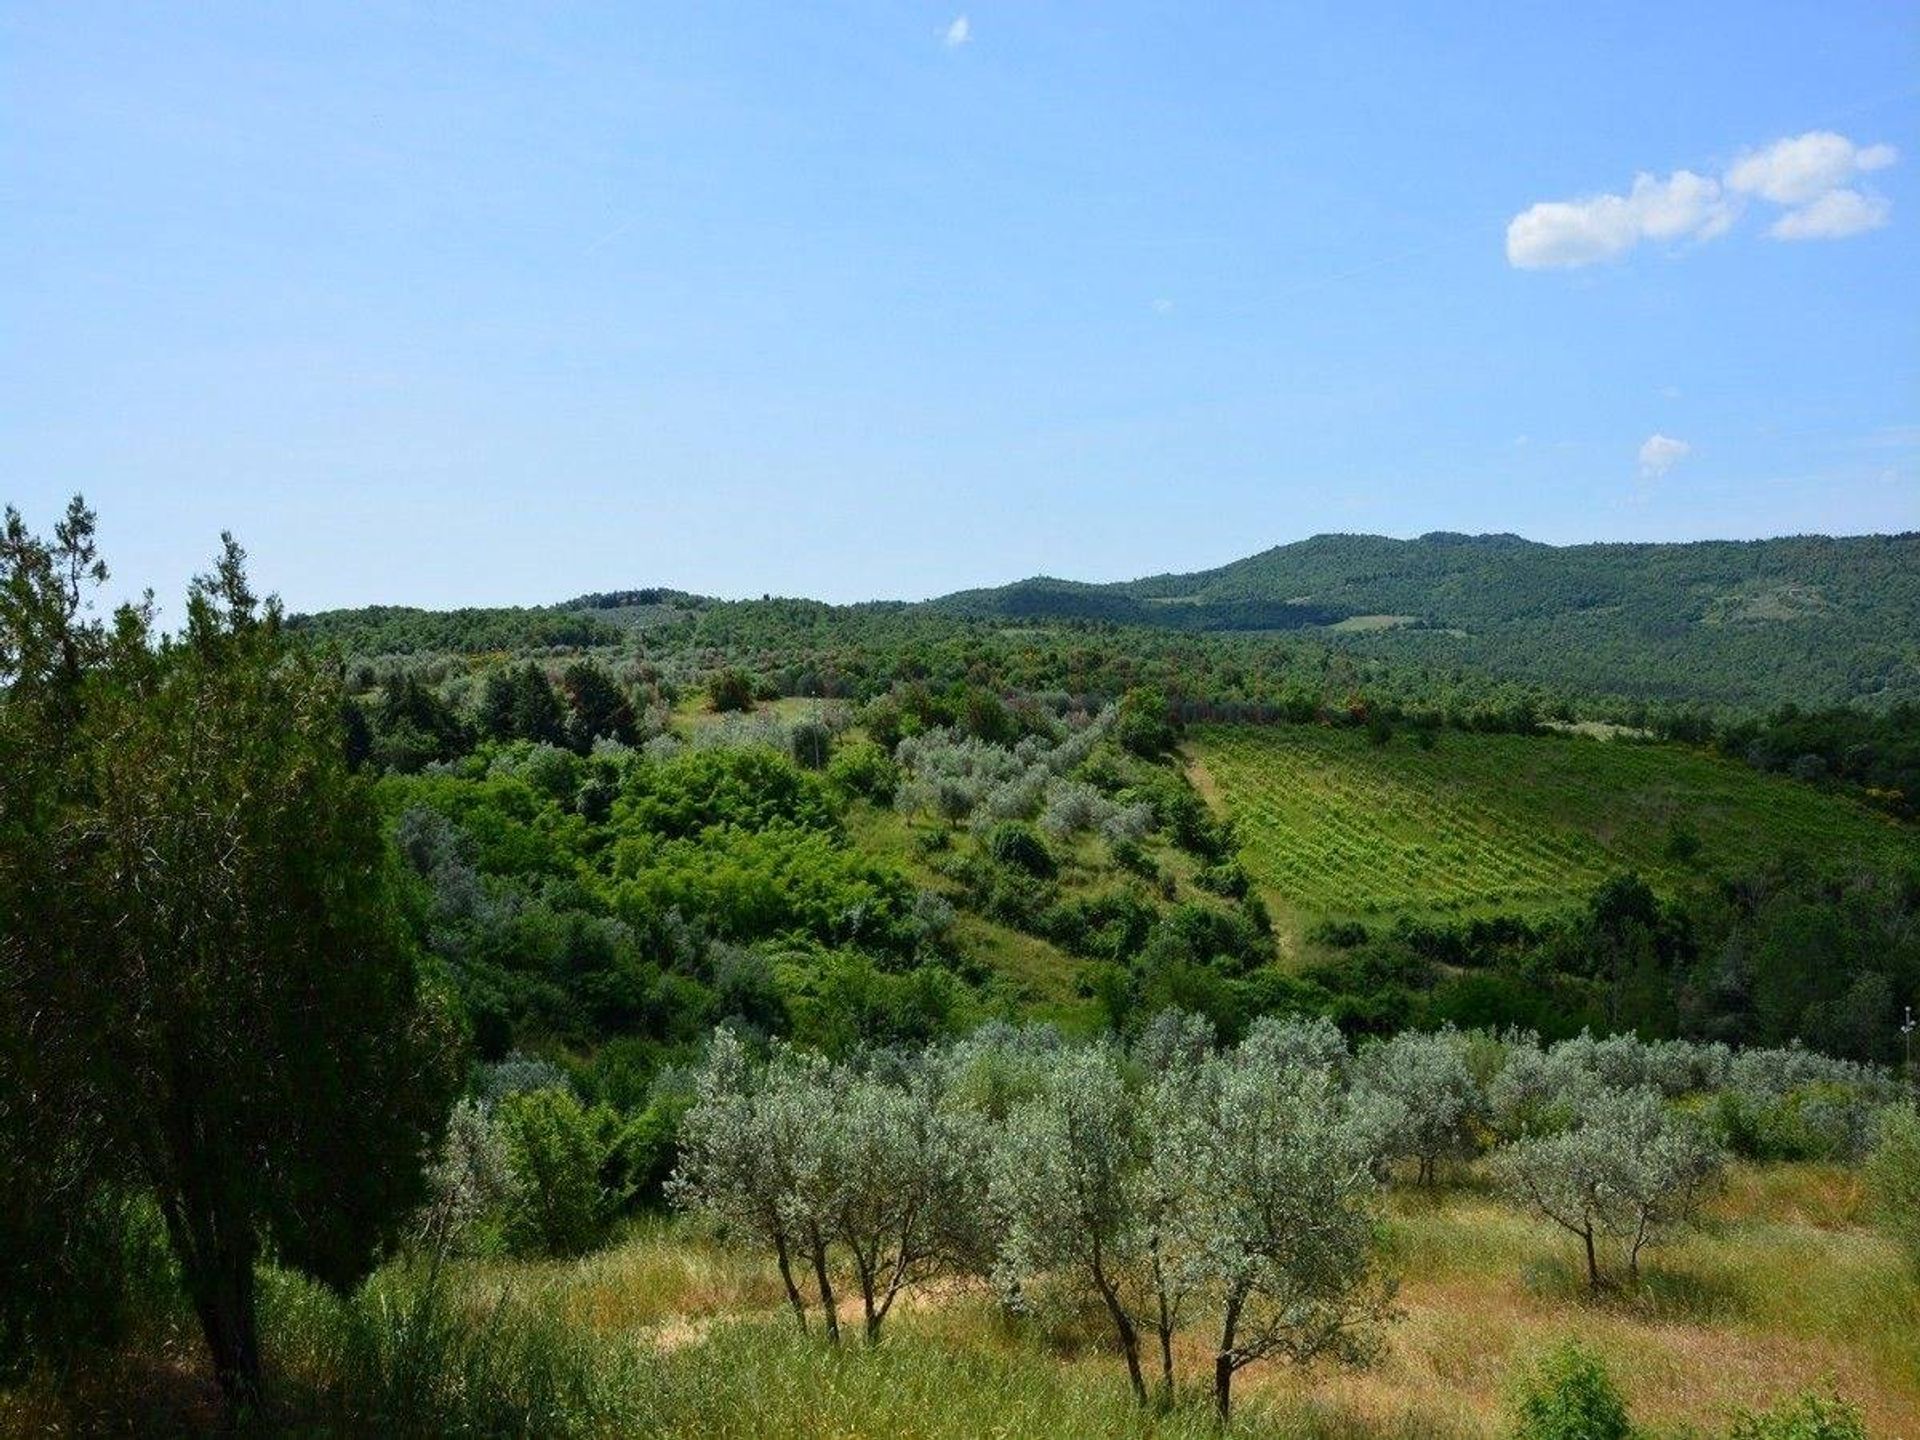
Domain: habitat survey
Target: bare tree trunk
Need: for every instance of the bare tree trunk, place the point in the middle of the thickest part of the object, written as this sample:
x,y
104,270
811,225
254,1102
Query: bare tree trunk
x,y
786,1278
1166,1357
1129,1335
216,1263
223,1300
1164,1326
1223,1359
826,1291
1593,1262
864,1269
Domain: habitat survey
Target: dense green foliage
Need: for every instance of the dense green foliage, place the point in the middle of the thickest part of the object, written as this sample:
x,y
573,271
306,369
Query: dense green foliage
x,y
208,999
1807,619
1570,1396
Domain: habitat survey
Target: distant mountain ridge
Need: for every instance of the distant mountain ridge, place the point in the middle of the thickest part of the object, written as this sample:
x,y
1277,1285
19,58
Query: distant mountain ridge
x,y
1817,619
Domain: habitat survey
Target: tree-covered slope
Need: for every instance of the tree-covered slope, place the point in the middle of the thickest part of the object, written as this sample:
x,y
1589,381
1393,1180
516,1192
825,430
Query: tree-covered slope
x,y
1807,619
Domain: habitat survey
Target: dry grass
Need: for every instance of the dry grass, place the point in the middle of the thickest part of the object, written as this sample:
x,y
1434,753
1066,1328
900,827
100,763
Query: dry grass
x,y
661,1275
1781,1288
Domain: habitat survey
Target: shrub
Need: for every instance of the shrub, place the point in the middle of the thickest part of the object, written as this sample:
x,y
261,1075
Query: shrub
x,y
1339,934
1228,878
1013,844
730,689
560,1155
811,742
1142,726
1807,1416
1568,1395
864,769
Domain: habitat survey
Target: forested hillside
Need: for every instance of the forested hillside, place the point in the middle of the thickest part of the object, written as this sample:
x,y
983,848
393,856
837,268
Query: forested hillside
x,y
1810,620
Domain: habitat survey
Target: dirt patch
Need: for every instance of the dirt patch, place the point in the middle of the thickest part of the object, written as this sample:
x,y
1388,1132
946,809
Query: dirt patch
x,y
1202,781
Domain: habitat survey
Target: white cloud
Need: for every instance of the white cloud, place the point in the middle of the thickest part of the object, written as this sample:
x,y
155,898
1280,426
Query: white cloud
x,y
1806,174
1163,306
1805,168
1834,216
1660,453
1566,233
958,33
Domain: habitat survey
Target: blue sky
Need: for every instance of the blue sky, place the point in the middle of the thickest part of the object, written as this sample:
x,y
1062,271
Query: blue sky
x,y
457,304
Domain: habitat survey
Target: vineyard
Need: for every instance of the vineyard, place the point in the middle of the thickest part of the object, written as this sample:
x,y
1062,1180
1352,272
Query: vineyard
x,y
1333,825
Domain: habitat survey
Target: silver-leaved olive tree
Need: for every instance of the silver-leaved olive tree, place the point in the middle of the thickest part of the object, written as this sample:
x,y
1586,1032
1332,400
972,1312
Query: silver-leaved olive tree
x,y
863,1174
1627,1171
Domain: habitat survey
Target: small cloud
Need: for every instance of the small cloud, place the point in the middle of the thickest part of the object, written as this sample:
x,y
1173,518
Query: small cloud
x,y
1834,216
1163,306
1671,392
1803,169
1810,176
1520,442
1660,453
1561,234
958,33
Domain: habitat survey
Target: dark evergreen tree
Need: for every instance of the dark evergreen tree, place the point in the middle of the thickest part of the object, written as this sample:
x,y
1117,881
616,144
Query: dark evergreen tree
x,y
596,707
205,975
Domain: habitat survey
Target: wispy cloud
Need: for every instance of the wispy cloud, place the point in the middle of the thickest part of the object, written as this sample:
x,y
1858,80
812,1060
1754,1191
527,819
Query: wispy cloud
x,y
1660,453
1807,174
958,33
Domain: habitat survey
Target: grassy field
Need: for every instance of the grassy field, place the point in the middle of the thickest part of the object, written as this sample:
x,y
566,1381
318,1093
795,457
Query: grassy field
x,y
1333,825
1783,1287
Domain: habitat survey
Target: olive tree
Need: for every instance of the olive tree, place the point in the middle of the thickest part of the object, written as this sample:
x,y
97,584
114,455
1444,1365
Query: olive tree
x,y
740,1156
1430,1080
1628,1171
837,1169
1283,1221
1068,1186
908,1177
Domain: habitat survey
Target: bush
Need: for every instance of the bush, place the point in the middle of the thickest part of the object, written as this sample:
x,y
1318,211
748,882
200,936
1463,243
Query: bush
x,y
1339,934
1013,844
1228,878
1808,1416
810,741
730,689
567,1168
1568,1395
1142,727
864,769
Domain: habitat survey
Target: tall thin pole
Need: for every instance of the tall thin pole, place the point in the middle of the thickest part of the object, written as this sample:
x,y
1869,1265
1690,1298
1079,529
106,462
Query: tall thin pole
x,y
1906,1034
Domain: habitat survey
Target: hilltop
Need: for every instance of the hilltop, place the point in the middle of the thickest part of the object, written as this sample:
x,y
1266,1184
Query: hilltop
x,y
1814,620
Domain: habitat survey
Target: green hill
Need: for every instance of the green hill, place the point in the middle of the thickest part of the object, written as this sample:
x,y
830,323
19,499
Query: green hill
x,y
1334,826
1807,619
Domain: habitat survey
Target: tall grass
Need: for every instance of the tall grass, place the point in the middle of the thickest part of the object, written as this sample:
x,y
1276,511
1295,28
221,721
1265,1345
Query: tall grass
x,y
668,1335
